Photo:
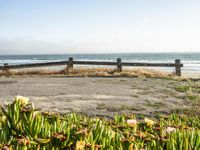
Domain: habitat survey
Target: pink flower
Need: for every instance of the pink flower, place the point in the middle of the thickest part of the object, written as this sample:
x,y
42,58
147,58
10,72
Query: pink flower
x,y
132,123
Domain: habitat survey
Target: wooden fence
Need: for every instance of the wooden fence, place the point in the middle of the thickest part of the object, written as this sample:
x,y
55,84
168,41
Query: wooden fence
x,y
118,63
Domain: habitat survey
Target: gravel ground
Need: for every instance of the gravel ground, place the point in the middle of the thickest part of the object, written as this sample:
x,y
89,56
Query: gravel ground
x,y
95,96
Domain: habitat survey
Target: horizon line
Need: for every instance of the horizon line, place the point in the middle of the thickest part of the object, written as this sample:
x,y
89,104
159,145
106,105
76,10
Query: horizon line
x,y
101,53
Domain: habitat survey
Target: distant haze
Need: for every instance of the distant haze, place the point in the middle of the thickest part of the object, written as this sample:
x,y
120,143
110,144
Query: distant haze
x,y
99,26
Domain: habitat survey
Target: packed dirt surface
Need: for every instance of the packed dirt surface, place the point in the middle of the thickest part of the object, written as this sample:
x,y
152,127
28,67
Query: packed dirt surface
x,y
96,96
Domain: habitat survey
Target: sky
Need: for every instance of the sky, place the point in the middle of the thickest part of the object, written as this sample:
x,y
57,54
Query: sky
x,y
99,26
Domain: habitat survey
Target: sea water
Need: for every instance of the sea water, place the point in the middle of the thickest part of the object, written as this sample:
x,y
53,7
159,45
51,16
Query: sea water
x,y
191,61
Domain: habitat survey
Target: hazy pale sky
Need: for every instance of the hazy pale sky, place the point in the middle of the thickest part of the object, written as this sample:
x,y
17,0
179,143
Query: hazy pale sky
x,y
99,26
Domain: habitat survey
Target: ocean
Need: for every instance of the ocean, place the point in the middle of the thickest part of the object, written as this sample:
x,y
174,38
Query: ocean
x,y
191,61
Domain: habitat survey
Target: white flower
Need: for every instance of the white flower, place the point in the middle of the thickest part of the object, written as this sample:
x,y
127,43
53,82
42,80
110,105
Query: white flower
x,y
22,100
149,122
131,123
170,129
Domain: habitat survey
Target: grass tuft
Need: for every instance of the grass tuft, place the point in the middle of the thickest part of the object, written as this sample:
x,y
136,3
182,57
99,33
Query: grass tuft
x,y
183,88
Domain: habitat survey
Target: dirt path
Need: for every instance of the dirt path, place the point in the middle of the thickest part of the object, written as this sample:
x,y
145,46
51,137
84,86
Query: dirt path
x,y
96,96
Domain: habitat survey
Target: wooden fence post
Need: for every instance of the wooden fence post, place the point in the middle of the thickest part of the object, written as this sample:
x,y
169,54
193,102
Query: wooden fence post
x,y
5,67
119,64
70,63
178,67
6,70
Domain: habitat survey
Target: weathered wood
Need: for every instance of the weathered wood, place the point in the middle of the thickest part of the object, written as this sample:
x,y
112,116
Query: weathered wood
x,y
125,64
70,63
178,67
95,63
150,64
89,63
34,65
119,64
5,67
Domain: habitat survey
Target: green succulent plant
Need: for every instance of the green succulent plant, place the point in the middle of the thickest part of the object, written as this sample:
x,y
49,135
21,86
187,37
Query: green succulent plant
x,y
24,127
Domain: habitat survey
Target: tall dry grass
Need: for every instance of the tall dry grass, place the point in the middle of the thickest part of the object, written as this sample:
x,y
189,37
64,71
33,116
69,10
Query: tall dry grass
x,y
91,72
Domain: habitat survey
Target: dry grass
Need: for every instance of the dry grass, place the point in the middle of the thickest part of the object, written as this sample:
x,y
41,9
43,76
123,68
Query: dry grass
x,y
137,72
92,72
29,72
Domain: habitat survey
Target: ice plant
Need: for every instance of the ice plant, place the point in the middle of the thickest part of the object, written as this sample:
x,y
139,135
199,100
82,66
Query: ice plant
x,y
23,127
149,122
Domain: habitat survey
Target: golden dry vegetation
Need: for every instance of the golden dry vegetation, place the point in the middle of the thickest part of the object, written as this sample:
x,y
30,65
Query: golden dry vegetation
x,y
92,72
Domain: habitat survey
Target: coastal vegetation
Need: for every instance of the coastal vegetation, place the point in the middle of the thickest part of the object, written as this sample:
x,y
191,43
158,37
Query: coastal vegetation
x,y
22,126
93,72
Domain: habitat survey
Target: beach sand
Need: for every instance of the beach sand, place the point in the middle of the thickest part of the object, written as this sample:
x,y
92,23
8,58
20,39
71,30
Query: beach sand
x,y
99,96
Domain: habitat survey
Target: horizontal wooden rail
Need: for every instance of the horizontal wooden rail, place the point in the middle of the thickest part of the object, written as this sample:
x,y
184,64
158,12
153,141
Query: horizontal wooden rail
x,y
151,64
33,65
95,63
118,63
126,64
